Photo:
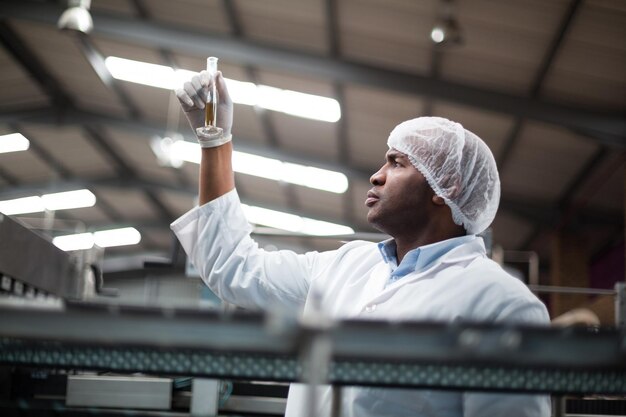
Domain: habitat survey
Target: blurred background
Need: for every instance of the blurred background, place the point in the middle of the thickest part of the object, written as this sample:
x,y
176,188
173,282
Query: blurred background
x,y
86,103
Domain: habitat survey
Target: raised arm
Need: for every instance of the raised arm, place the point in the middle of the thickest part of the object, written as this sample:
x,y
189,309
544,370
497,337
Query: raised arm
x,y
216,235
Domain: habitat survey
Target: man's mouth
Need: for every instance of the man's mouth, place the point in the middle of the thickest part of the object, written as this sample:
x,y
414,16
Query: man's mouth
x,y
371,199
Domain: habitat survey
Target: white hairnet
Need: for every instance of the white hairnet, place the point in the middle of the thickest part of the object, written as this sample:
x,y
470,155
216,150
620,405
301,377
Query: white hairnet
x,y
457,164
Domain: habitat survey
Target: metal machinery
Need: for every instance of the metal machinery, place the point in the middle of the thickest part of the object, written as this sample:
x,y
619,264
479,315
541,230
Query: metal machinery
x,y
36,265
102,354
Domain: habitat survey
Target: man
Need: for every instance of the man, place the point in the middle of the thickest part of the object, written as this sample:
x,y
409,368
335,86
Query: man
x,y
438,187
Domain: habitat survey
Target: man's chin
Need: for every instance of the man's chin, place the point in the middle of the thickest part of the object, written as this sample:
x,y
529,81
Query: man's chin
x,y
372,219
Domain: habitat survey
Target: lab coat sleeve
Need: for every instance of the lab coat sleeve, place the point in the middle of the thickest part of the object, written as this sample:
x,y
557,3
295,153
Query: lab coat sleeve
x,y
216,237
479,404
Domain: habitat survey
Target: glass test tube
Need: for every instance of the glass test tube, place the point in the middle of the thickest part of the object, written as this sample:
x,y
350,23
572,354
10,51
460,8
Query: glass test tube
x,y
211,104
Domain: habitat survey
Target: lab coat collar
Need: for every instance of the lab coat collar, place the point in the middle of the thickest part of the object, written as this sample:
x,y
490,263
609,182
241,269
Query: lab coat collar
x,y
377,291
422,257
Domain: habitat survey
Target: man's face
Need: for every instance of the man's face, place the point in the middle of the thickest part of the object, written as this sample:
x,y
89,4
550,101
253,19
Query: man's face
x,y
400,200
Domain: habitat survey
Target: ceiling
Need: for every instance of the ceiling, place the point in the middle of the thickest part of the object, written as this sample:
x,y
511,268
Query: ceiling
x,y
543,83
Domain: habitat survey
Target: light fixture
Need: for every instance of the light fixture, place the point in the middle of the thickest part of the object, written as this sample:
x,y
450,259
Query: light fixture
x,y
290,102
261,166
22,205
293,223
446,30
138,72
76,17
274,169
104,239
162,149
13,142
56,201
69,200
79,241
117,237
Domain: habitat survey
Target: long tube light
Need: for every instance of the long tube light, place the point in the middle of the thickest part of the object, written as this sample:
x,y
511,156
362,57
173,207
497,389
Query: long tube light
x,y
22,205
56,201
69,200
295,103
260,166
293,223
78,241
13,142
117,237
104,239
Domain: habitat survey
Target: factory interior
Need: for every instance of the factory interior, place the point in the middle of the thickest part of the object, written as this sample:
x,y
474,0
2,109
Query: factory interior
x,y
101,311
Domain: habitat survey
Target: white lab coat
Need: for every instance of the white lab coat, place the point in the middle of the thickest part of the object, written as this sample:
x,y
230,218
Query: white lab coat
x,y
461,285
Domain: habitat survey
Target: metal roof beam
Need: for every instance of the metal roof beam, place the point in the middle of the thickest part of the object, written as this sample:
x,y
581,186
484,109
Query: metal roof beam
x,y
96,60
234,19
540,76
104,146
31,64
567,208
334,46
8,177
332,29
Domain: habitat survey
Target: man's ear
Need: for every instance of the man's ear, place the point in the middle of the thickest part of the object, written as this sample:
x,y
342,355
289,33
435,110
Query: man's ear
x,y
438,200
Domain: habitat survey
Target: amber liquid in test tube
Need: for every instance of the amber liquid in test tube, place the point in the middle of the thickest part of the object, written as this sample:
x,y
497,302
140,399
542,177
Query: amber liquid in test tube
x,y
210,130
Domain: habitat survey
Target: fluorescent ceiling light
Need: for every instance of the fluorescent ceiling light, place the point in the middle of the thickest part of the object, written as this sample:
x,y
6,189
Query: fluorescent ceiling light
x,y
273,169
57,201
183,151
22,205
242,92
321,179
105,238
258,166
117,237
295,103
80,241
69,200
304,105
13,142
322,228
293,223
141,72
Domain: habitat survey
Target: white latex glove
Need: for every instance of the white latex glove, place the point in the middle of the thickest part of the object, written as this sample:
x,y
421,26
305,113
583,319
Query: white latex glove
x,y
193,96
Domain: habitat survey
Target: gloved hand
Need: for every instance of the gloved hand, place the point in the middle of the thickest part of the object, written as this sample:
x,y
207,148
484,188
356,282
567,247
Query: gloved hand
x,y
193,96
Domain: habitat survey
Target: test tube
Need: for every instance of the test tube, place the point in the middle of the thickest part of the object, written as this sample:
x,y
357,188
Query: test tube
x,y
211,104
210,131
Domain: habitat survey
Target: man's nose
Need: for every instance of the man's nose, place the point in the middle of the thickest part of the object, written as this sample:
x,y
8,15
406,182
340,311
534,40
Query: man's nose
x,y
378,178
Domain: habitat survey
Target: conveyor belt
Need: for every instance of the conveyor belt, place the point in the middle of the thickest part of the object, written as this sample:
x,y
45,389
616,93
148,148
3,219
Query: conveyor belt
x,y
244,346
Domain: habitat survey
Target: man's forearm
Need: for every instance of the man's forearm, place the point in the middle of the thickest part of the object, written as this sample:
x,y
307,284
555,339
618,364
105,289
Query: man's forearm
x,y
216,172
